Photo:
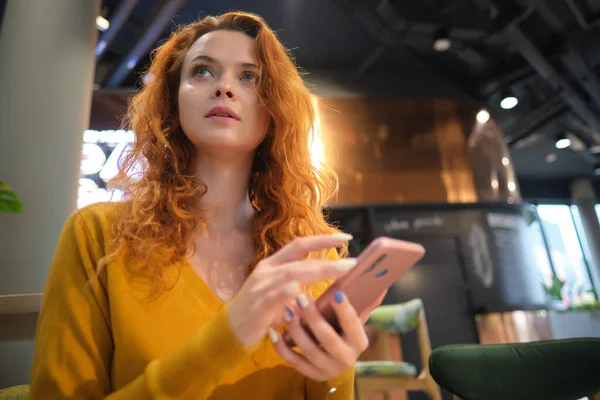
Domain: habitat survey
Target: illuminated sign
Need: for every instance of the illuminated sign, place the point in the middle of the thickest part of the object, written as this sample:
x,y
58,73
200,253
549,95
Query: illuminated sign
x,y
100,157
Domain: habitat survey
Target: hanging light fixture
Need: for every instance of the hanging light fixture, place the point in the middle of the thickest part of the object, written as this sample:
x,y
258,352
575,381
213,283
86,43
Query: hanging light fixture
x,y
562,142
102,23
509,102
507,98
483,116
441,40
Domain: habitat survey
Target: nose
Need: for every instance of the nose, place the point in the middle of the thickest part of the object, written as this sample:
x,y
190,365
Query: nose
x,y
223,89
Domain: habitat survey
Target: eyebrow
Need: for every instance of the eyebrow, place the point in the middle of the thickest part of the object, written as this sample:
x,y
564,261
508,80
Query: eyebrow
x,y
213,61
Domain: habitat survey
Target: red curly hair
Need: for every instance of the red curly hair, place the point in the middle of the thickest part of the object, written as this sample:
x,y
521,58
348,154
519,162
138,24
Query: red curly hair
x,y
286,190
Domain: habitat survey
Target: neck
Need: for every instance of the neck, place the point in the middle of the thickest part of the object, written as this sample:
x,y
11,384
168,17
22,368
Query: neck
x,y
225,206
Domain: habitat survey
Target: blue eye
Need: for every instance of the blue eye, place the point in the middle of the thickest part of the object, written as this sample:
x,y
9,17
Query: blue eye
x,y
202,71
248,76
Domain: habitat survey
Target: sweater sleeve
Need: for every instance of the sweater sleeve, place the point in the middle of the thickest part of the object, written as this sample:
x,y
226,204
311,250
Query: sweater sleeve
x,y
74,348
342,387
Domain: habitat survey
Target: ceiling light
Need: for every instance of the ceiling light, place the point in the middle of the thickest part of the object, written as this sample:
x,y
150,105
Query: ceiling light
x,y
505,161
102,23
483,116
562,142
509,102
441,40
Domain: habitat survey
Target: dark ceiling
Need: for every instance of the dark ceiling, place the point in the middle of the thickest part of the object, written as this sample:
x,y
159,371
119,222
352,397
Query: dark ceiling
x,y
545,52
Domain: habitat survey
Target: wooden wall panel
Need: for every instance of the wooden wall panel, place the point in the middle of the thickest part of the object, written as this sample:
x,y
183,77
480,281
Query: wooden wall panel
x,y
397,150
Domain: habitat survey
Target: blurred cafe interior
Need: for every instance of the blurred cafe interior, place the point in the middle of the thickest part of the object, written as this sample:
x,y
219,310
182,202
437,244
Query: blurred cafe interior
x,y
471,127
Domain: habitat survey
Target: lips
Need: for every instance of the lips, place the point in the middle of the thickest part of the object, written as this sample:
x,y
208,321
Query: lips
x,y
222,112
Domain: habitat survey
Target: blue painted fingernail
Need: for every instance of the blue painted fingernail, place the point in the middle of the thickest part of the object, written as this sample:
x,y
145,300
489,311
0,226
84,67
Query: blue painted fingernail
x,y
288,315
338,296
303,301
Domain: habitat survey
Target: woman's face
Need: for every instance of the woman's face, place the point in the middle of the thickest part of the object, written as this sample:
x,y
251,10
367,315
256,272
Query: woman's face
x,y
219,109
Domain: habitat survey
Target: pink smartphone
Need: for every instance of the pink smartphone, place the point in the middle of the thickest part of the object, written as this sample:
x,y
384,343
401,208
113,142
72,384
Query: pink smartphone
x,y
378,267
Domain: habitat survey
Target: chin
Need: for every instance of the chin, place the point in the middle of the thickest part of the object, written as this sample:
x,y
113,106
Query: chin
x,y
210,138
222,143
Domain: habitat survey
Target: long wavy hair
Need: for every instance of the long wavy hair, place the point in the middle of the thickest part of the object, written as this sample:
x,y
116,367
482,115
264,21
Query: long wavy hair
x,y
161,194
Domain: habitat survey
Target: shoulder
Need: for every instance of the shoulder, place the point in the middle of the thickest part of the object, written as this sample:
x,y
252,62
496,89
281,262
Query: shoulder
x,y
85,240
96,221
103,212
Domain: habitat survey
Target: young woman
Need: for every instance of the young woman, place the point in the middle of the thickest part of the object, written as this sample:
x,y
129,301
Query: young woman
x,y
182,290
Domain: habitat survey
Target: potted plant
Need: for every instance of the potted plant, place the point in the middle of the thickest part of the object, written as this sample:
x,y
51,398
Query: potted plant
x,y
9,200
577,301
585,301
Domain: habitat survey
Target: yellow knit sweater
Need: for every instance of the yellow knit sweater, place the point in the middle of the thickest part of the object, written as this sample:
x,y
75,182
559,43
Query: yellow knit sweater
x,y
103,338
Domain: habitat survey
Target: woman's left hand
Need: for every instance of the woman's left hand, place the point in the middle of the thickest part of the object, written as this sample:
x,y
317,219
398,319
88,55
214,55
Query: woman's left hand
x,y
336,353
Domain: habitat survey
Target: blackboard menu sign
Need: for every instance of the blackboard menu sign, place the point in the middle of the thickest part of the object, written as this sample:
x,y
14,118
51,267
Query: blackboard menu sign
x,y
518,276
356,222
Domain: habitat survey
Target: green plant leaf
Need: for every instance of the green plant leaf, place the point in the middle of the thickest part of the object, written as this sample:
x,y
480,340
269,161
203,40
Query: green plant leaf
x,y
555,290
9,200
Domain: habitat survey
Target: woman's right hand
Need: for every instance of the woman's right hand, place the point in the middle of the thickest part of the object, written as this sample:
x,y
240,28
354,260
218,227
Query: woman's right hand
x,y
277,280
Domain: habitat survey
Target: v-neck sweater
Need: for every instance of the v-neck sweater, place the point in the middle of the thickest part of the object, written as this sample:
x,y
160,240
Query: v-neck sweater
x,y
99,336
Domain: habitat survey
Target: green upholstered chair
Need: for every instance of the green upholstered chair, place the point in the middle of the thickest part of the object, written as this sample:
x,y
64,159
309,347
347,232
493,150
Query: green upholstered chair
x,y
385,374
15,393
566,369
